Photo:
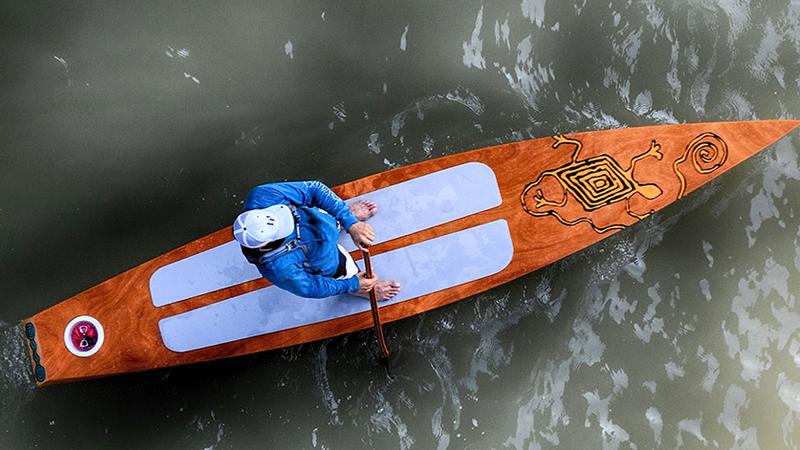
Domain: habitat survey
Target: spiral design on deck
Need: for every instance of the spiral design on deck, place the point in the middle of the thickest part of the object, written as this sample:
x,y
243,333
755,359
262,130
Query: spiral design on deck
x,y
708,152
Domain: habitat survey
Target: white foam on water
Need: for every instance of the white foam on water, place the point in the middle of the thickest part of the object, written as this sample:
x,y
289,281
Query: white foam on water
x,y
789,393
735,401
385,419
750,338
403,39
340,112
16,379
613,434
629,47
651,324
672,75
397,123
439,433
473,49
698,93
736,105
528,77
781,165
374,143
501,33
707,250
619,378
288,48
548,386
427,146
618,305
794,352
643,103
467,98
328,396
613,79
765,65
65,65
705,289
797,247
712,372
656,423
691,427
674,370
490,354
534,10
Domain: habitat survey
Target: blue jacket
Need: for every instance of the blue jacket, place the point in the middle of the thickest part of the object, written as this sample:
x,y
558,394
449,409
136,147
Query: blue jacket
x,y
309,273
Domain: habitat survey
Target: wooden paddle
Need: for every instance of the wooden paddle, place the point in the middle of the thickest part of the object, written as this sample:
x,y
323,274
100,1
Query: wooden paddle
x,y
373,303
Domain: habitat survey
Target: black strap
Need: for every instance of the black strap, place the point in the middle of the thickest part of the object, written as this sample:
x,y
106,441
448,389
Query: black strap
x,y
341,269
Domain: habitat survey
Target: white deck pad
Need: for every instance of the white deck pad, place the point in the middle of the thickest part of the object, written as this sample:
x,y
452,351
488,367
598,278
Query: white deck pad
x,y
423,268
404,208
430,200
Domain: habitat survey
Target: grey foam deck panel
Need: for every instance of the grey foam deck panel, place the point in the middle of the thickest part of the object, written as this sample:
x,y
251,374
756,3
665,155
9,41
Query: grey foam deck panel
x,y
423,268
404,208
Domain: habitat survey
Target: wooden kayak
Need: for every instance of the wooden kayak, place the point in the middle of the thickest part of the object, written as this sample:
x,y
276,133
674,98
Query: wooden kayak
x,y
448,228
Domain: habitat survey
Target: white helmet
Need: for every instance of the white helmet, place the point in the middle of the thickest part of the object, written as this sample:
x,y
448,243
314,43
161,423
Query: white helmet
x,y
258,227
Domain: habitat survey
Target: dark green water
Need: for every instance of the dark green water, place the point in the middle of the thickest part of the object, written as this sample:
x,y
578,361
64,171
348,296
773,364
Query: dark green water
x,y
128,130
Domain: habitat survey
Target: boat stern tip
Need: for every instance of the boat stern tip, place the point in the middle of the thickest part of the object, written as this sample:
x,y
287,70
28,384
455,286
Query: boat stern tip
x,y
789,126
790,123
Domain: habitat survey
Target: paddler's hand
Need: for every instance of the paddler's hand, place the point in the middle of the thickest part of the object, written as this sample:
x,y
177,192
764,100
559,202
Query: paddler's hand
x,y
366,284
362,233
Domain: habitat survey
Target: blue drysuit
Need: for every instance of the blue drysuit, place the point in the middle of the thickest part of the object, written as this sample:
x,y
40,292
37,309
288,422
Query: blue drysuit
x,y
309,273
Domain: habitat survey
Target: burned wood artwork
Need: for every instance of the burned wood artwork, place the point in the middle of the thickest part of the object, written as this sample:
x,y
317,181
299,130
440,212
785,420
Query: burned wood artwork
x,y
601,181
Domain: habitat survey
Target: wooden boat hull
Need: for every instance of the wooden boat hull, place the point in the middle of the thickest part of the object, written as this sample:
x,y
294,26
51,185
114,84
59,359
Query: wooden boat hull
x,y
556,196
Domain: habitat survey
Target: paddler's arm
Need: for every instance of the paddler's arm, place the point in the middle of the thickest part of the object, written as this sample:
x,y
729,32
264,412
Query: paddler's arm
x,y
301,193
303,284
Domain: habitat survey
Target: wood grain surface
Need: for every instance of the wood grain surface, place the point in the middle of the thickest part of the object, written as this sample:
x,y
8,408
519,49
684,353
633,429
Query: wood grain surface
x,y
556,200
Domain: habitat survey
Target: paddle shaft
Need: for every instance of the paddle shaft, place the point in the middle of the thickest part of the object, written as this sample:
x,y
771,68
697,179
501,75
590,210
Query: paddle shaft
x,y
373,303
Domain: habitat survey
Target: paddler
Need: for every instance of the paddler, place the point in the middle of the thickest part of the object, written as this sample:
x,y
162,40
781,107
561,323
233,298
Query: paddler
x,y
290,230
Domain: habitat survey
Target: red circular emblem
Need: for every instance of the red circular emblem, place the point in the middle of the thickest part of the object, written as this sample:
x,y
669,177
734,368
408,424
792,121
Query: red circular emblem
x,y
84,336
